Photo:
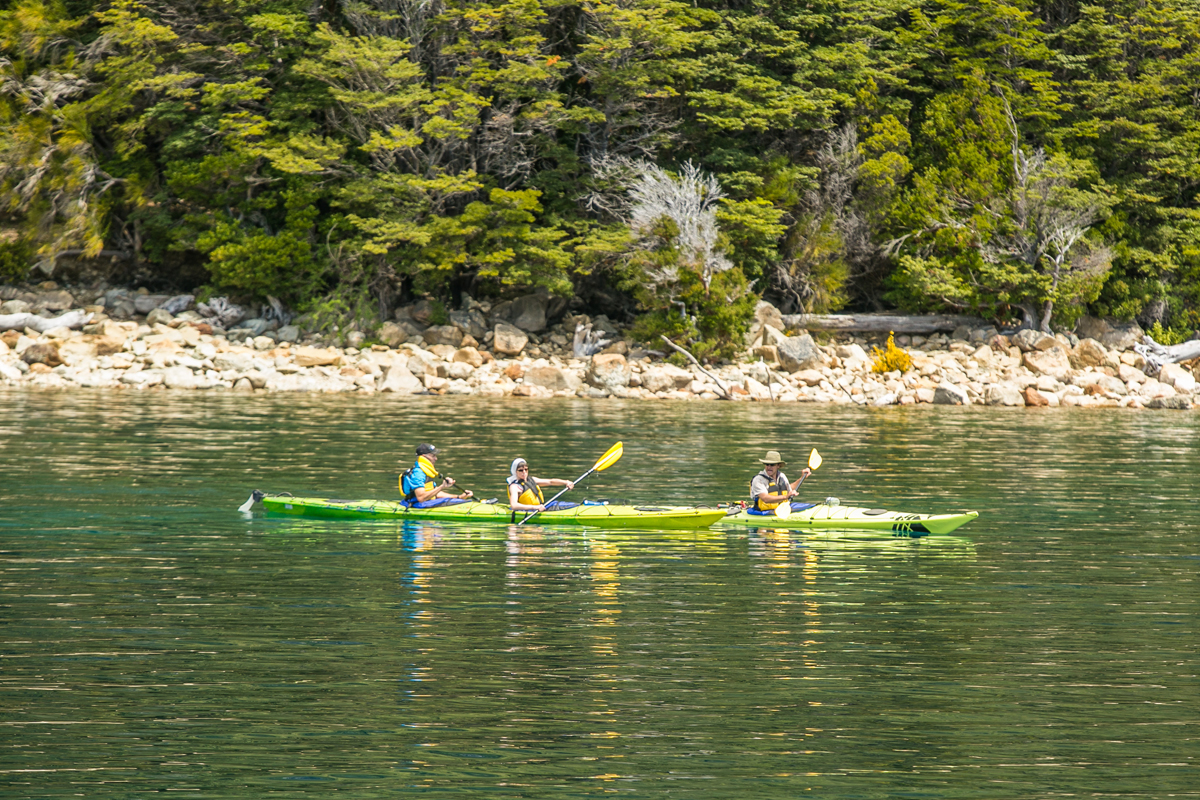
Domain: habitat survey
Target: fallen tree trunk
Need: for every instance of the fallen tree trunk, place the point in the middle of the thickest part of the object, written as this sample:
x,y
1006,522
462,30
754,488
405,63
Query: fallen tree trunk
x,y
71,319
1157,355
882,323
720,384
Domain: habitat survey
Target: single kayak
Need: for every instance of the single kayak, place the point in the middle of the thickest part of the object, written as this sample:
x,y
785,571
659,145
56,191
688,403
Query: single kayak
x,y
588,514
835,515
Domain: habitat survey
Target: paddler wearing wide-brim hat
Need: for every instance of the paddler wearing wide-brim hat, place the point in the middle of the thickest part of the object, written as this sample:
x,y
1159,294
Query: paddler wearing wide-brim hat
x,y
770,487
419,483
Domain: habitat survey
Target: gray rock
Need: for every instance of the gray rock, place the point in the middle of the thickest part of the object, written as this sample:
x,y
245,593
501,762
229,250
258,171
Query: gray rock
x,y
15,307
248,329
443,334
1175,402
529,313
798,352
145,303
55,301
508,339
1003,394
158,316
355,339
178,304
948,394
961,334
1029,340
470,322
288,333
1053,361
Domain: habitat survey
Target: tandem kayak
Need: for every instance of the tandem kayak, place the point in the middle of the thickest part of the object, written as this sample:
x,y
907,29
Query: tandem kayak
x,y
587,514
835,515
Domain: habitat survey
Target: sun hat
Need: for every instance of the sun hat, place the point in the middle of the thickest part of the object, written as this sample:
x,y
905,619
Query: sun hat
x,y
426,450
773,457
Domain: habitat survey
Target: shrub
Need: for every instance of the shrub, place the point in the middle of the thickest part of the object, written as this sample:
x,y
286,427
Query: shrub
x,y
891,358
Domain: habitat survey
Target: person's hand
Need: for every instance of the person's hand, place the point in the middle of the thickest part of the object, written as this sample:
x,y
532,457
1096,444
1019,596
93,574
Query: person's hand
x,y
541,507
804,473
447,482
570,484
467,495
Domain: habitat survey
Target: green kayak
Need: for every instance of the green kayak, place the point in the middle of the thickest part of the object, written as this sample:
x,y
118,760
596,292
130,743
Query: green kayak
x,y
835,515
590,515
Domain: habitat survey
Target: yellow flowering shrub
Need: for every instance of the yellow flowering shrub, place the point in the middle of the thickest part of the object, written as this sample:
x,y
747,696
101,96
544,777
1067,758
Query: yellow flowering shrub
x,y
891,358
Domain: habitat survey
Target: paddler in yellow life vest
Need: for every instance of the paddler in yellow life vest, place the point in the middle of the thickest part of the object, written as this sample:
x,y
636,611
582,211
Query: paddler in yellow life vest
x,y
770,488
419,483
524,490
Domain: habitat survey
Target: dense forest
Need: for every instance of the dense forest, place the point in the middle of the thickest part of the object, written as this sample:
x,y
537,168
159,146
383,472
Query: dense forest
x,y
674,161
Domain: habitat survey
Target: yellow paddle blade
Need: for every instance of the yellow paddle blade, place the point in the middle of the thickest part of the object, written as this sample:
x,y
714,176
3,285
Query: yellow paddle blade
x,y
814,459
611,457
784,509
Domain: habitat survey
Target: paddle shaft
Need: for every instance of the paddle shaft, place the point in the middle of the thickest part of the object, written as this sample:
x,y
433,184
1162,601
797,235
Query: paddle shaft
x,y
552,499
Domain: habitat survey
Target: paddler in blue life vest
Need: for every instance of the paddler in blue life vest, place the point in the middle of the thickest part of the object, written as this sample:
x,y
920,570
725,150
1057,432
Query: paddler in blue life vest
x,y
770,488
419,483
524,490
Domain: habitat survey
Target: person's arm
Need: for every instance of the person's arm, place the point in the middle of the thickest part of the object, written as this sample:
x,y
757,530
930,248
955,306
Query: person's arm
x,y
514,492
555,482
804,473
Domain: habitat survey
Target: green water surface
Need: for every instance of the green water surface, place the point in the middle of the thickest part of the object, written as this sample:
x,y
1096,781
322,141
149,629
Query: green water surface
x,y
154,640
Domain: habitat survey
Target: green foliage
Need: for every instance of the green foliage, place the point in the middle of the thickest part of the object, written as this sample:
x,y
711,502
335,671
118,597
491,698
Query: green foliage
x,y
1168,336
890,358
363,154
16,259
710,324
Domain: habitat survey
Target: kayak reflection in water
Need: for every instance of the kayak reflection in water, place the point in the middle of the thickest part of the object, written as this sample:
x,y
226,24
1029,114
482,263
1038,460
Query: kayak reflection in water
x,y
419,482
524,490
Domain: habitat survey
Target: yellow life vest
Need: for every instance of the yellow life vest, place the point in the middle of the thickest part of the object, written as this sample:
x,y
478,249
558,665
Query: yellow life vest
x,y
531,493
777,486
430,475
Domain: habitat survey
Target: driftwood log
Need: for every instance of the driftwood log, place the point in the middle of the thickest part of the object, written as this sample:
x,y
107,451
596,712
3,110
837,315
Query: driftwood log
x,y
72,319
587,341
720,383
1157,355
882,323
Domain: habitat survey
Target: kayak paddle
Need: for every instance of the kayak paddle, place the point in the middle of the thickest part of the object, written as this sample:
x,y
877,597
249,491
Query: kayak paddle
x,y
607,460
784,509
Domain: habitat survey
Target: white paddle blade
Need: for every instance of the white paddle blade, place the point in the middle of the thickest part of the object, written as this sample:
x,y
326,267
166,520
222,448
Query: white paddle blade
x,y
814,459
784,509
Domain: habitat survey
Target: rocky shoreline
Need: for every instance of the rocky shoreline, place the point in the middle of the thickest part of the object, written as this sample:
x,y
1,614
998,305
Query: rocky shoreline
x,y
117,339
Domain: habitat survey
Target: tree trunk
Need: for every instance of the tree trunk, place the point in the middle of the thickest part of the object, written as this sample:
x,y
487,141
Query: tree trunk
x,y
72,319
882,323
1157,355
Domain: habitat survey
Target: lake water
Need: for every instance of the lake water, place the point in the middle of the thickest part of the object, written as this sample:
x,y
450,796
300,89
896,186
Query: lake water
x,y
153,639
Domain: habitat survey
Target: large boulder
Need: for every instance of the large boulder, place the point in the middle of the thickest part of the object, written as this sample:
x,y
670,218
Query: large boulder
x,y
315,357
665,378
400,380
1003,394
530,313
42,353
799,352
1113,335
1030,340
553,378
765,315
1179,377
449,335
470,322
468,355
947,394
145,303
508,339
1053,362
180,378
59,300
608,371
1088,353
